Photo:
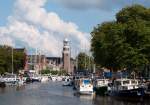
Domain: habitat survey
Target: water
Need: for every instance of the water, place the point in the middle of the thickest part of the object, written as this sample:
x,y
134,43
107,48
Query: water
x,y
53,94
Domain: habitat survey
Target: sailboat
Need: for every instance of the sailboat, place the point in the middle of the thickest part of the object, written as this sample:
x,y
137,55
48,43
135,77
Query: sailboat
x,y
10,78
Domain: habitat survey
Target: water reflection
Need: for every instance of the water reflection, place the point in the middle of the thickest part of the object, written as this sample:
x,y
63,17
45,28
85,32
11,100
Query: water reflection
x,y
19,88
53,94
2,90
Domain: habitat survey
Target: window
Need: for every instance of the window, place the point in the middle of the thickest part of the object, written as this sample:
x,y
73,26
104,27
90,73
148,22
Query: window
x,y
125,82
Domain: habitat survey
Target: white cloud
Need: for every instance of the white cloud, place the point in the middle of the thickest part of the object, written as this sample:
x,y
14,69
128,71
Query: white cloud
x,y
32,25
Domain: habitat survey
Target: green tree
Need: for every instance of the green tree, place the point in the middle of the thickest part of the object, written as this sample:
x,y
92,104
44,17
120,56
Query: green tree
x,y
85,62
125,42
6,59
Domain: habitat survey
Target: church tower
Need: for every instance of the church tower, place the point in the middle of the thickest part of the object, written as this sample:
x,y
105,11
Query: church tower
x,y
66,56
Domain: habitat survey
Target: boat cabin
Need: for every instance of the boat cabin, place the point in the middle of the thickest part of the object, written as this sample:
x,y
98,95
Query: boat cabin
x,y
126,84
101,82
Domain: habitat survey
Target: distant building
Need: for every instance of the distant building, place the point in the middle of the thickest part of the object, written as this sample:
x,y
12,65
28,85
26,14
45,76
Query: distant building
x,y
54,63
41,62
36,62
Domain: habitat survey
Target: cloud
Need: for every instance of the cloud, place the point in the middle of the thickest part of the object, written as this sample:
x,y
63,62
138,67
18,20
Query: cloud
x,y
5,40
100,4
34,27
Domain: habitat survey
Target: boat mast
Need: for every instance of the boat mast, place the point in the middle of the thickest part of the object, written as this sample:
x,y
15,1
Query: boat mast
x,y
31,62
12,61
89,61
77,61
39,61
85,57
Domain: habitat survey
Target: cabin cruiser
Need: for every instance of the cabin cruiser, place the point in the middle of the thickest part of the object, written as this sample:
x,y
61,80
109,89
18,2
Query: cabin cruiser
x,y
101,86
127,89
84,86
10,79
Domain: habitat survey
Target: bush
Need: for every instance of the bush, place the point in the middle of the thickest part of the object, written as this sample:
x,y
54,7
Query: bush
x,y
45,71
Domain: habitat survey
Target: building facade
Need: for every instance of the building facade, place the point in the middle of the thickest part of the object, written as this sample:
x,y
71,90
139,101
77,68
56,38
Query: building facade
x,y
66,56
54,63
36,62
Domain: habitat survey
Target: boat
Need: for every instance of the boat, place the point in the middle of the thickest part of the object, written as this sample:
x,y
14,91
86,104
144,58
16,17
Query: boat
x,y
10,79
101,86
33,77
76,81
147,91
2,83
128,89
67,82
44,79
53,78
59,78
20,82
84,86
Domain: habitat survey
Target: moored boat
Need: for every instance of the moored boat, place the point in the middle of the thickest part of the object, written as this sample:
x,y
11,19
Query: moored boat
x,y
10,79
44,79
101,86
85,86
128,89
67,82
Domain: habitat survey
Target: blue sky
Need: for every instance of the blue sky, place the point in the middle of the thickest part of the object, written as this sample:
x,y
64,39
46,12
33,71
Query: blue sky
x,y
45,23
6,8
85,19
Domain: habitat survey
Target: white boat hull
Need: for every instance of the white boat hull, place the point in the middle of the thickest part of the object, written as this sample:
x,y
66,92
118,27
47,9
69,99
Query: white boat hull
x,y
44,79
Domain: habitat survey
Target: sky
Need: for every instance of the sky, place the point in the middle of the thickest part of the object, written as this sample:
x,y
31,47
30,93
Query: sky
x,y
43,24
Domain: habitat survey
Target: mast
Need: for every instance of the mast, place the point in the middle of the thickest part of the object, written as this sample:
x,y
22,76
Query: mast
x,y
77,62
39,62
12,61
85,57
31,62
89,62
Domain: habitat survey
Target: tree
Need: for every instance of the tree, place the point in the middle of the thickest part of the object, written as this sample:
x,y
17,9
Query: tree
x,y
6,59
125,42
84,61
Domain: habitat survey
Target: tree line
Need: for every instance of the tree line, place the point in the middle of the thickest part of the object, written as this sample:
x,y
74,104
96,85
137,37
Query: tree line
x,y
6,59
125,42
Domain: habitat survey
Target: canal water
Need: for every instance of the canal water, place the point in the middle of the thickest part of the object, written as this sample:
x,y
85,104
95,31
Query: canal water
x,y
53,93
